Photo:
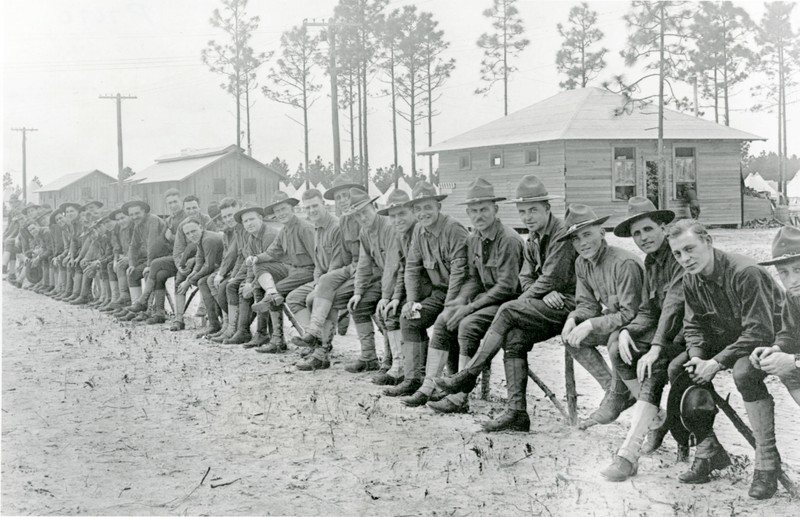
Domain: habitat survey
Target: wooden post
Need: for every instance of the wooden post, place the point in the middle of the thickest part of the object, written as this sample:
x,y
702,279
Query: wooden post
x,y
572,395
486,379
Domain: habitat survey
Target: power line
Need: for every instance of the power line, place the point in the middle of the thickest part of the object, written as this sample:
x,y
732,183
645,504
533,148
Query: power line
x,y
119,98
24,131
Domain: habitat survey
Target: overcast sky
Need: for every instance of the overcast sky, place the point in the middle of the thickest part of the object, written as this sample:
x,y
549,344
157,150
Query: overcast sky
x,y
58,57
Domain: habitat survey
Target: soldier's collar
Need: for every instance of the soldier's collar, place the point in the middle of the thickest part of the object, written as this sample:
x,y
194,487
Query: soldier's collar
x,y
437,227
601,253
661,255
325,221
716,273
492,231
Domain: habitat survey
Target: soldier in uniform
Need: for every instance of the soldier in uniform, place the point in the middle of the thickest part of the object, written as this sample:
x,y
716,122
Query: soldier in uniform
x,y
733,307
74,229
232,234
436,269
494,259
207,260
548,295
284,266
783,358
653,338
121,241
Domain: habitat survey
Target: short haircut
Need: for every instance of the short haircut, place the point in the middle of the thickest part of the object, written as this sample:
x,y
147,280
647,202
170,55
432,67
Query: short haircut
x,y
682,226
192,219
228,202
311,194
190,198
172,192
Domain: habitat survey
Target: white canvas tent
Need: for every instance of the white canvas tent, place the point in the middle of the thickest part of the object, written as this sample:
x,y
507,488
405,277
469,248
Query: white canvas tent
x,y
759,184
793,189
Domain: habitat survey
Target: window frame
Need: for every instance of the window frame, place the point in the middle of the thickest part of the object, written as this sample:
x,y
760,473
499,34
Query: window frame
x,y
249,191
525,156
675,159
84,194
502,159
468,156
214,190
614,184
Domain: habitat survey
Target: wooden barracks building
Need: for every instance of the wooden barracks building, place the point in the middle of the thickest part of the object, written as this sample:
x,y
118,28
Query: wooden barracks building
x,y
585,153
79,187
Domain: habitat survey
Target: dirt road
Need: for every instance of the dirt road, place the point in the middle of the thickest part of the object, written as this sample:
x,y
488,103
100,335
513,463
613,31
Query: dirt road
x,y
106,418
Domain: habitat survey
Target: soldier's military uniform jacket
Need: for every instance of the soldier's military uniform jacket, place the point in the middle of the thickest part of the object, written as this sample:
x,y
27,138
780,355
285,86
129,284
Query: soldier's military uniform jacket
x,y
393,281
208,257
608,289
294,245
738,306
788,338
441,252
549,263
258,244
144,238
328,245
232,242
375,241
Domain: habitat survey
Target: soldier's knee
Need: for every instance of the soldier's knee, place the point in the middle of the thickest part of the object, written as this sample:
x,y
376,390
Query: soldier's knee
x,y
749,381
515,349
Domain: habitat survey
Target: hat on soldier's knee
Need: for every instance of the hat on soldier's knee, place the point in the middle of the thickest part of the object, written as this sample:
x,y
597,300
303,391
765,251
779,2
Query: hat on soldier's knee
x,y
341,182
785,247
639,208
698,411
33,273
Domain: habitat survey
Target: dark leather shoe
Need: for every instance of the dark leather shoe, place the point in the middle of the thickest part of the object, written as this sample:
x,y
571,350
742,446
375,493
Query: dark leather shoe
x,y
271,348
177,325
222,337
79,301
306,351
313,364
683,454
156,319
359,366
702,467
239,338
384,379
128,316
142,316
448,406
612,405
510,420
307,340
437,395
765,484
462,382
137,307
257,341
207,332
416,400
407,387
653,440
620,470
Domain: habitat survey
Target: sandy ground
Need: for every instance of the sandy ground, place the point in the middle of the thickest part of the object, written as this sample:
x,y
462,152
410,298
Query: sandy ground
x,y
106,418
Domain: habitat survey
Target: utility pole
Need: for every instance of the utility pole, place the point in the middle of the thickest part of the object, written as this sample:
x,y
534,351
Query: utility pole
x,y
24,131
119,98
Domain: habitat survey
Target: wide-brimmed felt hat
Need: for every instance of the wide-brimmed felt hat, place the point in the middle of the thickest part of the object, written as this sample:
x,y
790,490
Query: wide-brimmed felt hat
x,y
247,208
578,217
480,191
396,199
278,199
424,191
28,208
63,206
53,215
90,203
340,182
114,213
785,247
531,190
136,202
698,410
358,200
639,208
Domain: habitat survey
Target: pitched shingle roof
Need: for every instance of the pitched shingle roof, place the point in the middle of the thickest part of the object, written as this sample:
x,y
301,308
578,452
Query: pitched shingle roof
x,y
586,114
68,179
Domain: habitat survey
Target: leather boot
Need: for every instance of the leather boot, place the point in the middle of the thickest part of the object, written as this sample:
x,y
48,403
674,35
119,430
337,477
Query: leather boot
x,y
342,322
242,334
761,414
515,418
593,362
455,403
464,381
158,315
717,459
276,344
612,405
433,367
230,330
412,381
369,359
653,440
394,375
261,337
84,294
320,357
77,284
620,470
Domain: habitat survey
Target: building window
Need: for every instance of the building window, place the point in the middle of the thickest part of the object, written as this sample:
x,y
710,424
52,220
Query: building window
x,y
220,187
464,162
249,186
532,156
86,193
685,171
623,174
496,159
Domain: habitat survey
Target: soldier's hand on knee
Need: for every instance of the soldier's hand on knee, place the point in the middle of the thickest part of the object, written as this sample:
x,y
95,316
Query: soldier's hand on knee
x,y
217,280
778,363
353,302
457,316
644,367
702,371
391,308
381,306
759,354
568,326
626,343
407,310
554,300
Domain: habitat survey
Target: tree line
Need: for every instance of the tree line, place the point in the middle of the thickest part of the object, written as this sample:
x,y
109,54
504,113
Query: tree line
x,y
402,55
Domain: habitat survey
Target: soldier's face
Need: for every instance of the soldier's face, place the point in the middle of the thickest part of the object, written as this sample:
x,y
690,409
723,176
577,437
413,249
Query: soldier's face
x,y
648,235
402,218
534,216
587,241
314,208
136,213
227,216
695,254
123,220
92,210
71,213
193,232
789,273
482,215
173,203
366,216
33,229
427,212
252,222
342,199
191,208
282,212
60,220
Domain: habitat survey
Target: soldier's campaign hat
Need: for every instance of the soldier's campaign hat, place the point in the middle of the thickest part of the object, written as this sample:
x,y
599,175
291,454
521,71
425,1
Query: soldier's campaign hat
x,y
531,190
479,191
114,213
278,199
92,202
785,247
33,273
698,411
639,208
578,217
53,215
424,191
396,199
247,208
136,202
63,206
358,200
28,208
340,182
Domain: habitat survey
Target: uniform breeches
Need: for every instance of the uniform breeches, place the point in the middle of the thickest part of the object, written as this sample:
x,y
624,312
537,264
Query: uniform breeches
x,y
329,283
467,336
161,269
531,321
135,278
415,330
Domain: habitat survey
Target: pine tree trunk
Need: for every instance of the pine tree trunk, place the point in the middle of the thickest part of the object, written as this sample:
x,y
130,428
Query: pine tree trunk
x,y
430,119
413,121
352,120
366,139
662,169
394,110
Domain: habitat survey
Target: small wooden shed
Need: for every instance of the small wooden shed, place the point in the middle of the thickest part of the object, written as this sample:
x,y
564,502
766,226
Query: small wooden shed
x,y
210,174
78,187
585,152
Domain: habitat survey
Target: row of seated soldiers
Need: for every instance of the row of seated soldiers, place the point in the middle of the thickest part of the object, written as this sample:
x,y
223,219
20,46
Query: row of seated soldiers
x,y
684,314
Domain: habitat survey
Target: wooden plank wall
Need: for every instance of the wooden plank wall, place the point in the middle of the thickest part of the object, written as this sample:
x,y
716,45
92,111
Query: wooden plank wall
x,y
505,179
99,187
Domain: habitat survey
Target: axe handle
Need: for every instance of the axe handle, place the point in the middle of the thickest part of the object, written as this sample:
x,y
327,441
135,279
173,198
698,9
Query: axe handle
x,y
486,380
296,324
549,393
